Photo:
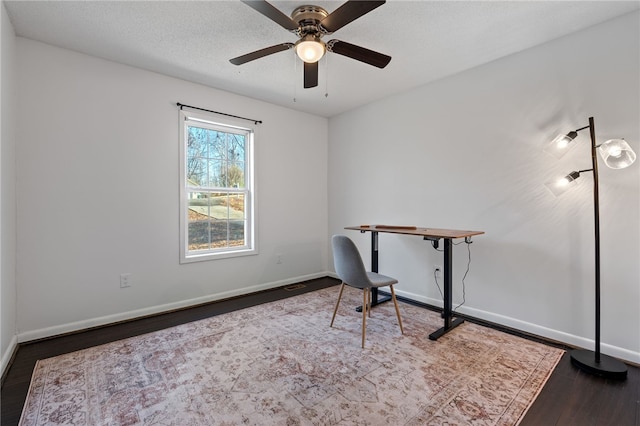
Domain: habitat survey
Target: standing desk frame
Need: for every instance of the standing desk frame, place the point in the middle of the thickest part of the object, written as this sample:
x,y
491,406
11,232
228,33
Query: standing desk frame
x,y
430,234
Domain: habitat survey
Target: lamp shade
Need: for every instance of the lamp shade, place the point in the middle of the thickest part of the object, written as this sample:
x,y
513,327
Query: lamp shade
x,y
310,49
617,154
561,144
559,186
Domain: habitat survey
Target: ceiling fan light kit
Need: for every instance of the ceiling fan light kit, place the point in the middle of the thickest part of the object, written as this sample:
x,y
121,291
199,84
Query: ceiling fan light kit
x,y
310,23
310,48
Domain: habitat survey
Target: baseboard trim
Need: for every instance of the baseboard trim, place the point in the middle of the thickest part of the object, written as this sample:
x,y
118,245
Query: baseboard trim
x,y
7,356
544,333
524,327
89,323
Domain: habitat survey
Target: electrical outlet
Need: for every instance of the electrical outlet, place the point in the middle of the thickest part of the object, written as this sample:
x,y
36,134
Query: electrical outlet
x,y
125,280
437,271
278,258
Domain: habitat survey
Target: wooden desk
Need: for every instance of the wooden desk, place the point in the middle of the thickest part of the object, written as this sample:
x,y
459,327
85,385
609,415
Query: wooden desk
x,y
430,234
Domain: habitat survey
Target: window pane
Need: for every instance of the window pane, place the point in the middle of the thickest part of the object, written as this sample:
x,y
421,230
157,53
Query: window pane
x,y
236,233
216,159
196,142
219,210
216,220
219,234
217,173
228,228
196,171
237,207
217,143
235,175
236,144
199,221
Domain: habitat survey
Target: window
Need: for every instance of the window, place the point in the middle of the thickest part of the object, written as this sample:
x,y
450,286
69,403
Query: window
x,y
217,194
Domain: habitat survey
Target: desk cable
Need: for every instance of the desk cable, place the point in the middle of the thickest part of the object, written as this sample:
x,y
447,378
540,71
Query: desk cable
x,y
468,241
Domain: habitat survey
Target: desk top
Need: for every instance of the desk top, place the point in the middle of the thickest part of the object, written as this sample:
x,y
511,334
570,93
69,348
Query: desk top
x,y
414,230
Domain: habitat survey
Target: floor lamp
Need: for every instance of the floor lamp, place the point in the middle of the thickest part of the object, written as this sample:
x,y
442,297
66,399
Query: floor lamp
x,y
617,154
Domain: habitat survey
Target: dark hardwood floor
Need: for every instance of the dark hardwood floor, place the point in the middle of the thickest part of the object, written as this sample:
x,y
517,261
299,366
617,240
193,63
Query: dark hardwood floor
x,y
570,397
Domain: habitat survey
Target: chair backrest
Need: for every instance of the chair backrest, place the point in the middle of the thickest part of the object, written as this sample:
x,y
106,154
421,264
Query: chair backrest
x,y
348,263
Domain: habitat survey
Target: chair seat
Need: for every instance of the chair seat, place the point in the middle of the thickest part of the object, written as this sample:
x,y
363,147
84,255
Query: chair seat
x,y
379,280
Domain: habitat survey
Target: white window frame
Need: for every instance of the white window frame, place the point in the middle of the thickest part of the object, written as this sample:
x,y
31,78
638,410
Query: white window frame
x,y
227,125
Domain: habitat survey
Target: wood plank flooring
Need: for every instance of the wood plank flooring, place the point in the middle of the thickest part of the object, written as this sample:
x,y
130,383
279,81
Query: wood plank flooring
x,y
570,397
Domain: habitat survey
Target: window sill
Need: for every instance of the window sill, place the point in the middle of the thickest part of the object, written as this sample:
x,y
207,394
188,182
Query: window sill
x,y
215,256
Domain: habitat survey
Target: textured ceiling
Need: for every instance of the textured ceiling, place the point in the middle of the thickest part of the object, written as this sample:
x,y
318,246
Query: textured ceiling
x,y
194,40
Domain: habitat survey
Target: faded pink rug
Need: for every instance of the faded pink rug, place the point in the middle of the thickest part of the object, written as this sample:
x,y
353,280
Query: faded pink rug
x,y
281,364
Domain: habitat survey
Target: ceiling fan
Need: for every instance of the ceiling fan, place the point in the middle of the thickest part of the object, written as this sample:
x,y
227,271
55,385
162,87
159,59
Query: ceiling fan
x,y
310,23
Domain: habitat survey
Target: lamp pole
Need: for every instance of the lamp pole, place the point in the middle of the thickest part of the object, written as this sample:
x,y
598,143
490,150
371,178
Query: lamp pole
x,y
595,362
596,218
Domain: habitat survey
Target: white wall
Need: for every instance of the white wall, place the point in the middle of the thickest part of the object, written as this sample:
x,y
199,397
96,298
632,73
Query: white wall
x,y
8,197
466,153
97,185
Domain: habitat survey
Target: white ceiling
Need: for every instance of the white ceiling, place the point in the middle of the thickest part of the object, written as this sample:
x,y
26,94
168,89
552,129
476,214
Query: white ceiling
x,y
194,40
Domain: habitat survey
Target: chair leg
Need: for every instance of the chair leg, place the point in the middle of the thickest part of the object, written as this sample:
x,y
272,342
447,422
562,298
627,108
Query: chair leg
x,y
370,296
364,314
395,302
337,303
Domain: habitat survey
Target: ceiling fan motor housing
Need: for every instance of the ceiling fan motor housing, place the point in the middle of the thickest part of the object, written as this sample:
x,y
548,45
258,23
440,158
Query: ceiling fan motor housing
x,y
309,18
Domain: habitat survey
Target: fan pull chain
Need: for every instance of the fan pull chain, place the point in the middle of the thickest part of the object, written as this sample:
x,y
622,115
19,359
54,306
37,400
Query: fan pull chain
x,y
326,78
295,73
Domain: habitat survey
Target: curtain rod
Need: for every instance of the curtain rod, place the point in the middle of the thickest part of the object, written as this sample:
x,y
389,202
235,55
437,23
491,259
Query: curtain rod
x,y
220,113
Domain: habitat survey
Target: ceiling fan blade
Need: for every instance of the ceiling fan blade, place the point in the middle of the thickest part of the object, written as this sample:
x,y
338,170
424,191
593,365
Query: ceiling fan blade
x,y
260,53
310,75
348,12
271,12
358,53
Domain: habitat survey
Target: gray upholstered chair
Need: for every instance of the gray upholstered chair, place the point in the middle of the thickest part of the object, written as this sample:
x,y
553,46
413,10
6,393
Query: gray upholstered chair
x,y
351,271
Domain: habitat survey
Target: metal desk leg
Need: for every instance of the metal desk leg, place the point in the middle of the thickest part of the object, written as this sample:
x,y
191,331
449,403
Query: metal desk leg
x,y
449,322
374,268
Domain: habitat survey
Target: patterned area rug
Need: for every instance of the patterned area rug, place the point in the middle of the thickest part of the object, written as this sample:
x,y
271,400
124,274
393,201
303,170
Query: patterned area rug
x,y
281,364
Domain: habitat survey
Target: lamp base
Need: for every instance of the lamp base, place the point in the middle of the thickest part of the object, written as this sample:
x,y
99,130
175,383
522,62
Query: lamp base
x,y
608,367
